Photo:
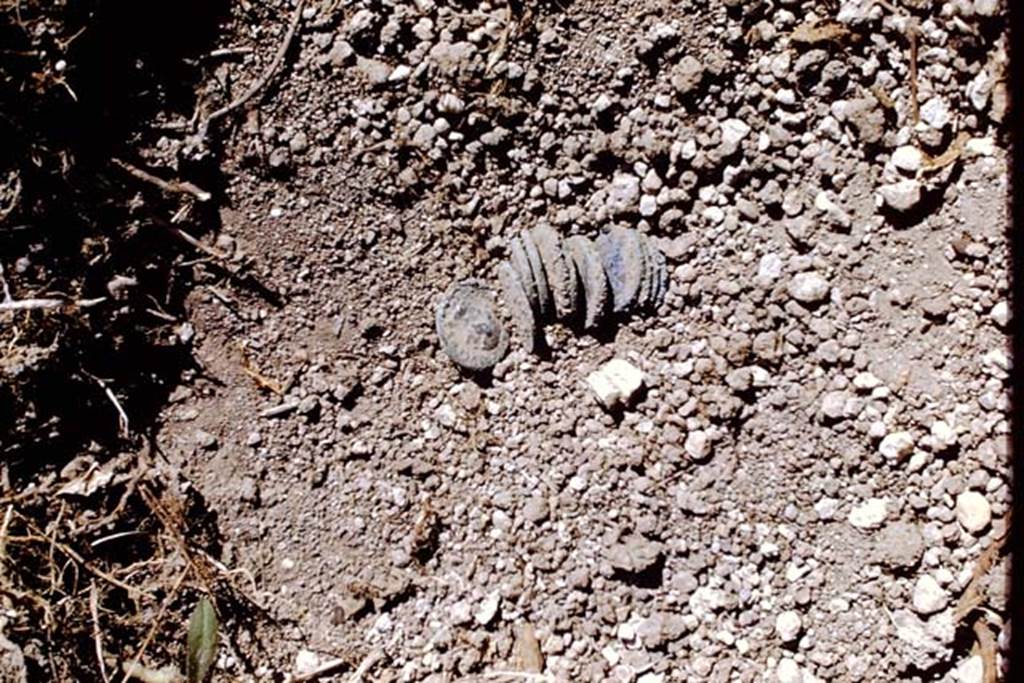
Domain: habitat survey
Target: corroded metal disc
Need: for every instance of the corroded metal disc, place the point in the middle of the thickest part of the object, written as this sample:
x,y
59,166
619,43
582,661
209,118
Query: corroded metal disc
x,y
559,269
468,326
540,278
593,281
521,264
623,259
645,297
513,291
661,275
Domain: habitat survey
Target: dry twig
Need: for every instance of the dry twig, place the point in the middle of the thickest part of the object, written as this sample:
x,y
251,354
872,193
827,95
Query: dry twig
x,y
157,621
987,650
172,186
97,634
972,596
262,81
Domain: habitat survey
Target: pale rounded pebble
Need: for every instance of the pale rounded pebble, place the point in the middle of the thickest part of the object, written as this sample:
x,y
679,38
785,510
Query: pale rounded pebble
x,y
808,288
896,445
973,511
788,671
869,515
928,597
907,158
788,626
971,670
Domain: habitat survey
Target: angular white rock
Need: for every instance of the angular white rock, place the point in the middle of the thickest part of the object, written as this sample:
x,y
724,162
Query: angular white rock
x,y
902,196
733,131
971,670
616,382
698,444
973,511
788,671
788,625
897,445
928,597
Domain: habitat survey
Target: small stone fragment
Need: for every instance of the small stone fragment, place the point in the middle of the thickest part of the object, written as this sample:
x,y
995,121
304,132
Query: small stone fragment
x,y
697,444
788,626
487,609
973,511
809,288
897,445
929,597
634,554
869,514
903,195
616,383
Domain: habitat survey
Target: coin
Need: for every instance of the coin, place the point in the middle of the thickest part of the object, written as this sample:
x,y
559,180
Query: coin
x,y
540,279
587,259
468,326
516,299
558,268
622,258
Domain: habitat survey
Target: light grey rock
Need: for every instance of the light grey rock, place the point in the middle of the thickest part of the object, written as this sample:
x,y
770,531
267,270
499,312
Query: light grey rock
x,y
809,288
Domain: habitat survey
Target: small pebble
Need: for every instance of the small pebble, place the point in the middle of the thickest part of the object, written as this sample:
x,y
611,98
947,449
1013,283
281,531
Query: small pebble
x,y
973,511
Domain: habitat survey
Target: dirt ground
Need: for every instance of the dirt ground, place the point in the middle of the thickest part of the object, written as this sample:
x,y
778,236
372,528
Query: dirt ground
x,y
813,482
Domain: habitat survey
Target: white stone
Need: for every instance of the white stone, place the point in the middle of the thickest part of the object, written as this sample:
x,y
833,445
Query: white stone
x,y
698,444
943,434
770,267
487,609
808,287
935,112
651,678
907,158
648,205
973,511
788,625
733,131
623,192
870,514
986,8
1000,314
902,196
971,670
928,597
897,445
985,147
616,382
306,661
400,73
833,404
865,381
602,103
788,671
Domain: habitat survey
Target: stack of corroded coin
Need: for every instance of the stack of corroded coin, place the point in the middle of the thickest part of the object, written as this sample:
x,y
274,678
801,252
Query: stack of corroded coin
x,y
547,278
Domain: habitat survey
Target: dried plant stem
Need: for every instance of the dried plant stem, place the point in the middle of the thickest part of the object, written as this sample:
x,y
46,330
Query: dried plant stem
x,y
262,81
172,186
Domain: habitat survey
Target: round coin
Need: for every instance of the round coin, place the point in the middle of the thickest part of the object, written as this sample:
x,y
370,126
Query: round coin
x,y
560,272
540,278
587,260
623,260
468,326
514,294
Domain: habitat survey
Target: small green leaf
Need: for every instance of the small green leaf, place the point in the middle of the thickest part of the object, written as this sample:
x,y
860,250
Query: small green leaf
x,y
202,641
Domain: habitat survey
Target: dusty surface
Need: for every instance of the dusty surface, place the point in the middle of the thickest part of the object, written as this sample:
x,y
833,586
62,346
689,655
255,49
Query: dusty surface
x,y
803,488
